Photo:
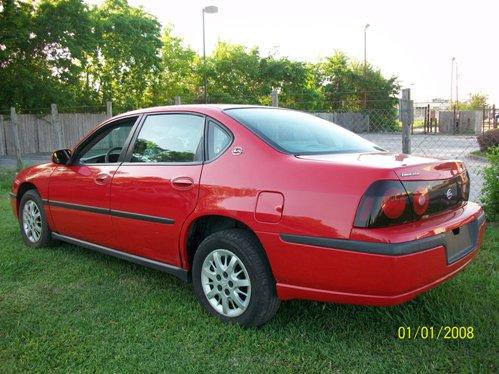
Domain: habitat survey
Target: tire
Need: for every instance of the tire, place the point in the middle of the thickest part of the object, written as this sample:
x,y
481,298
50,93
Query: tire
x,y
37,232
241,259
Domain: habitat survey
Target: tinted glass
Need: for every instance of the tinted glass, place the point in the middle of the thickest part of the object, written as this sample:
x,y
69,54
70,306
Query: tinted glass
x,y
218,140
300,133
170,138
108,148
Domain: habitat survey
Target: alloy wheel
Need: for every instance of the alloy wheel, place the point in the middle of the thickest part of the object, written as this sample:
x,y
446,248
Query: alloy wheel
x,y
32,221
226,283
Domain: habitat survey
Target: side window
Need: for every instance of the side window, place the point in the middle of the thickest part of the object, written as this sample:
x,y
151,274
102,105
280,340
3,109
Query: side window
x,y
107,145
218,140
170,138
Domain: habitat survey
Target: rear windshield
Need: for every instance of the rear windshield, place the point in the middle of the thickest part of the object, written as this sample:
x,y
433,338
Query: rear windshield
x,y
299,133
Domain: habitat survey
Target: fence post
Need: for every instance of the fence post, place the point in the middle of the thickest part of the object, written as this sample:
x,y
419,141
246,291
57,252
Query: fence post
x,y
275,98
56,126
494,119
15,136
178,101
109,108
3,144
406,116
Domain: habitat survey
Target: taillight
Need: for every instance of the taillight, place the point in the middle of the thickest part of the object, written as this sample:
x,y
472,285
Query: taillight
x,y
392,202
420,200
385,203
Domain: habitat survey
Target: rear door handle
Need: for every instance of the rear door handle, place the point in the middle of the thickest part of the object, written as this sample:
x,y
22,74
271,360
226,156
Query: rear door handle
x,y
102,178
182,183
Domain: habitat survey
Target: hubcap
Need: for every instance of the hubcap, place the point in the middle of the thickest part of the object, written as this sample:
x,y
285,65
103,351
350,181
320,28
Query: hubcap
x,y
226,283
32,221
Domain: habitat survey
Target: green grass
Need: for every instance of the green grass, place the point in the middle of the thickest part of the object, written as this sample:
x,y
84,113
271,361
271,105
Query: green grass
x,y
67,309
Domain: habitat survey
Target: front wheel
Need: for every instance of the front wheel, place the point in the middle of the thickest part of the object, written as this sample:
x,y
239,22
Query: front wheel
x,y
232,279
32,221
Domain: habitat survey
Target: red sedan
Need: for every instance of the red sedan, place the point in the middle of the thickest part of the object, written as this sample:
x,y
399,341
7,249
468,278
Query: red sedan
x,y
255,205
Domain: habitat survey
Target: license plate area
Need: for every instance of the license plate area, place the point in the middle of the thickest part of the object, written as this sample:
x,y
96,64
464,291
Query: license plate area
x,y
460,241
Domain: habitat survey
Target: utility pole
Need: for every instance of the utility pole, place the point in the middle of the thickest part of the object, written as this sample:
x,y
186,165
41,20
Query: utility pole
x,y
451,81
365,62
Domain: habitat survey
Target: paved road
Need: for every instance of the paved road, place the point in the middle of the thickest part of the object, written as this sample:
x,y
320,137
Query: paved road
x,y
434,145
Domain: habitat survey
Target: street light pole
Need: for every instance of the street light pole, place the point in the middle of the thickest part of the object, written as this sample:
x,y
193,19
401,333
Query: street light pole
x,y
451,80
365,46
209,10
365,62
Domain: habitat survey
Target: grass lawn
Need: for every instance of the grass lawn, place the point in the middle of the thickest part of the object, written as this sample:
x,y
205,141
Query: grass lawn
x,y
68,309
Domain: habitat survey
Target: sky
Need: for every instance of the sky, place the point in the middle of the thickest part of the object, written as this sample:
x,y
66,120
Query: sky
x,y
413,40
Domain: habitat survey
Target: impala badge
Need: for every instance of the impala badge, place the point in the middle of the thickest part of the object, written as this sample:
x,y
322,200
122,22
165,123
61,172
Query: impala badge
x,y
449,194
410,174
237,151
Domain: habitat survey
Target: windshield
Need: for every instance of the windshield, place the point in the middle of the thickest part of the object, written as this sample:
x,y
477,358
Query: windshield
x,y
300,133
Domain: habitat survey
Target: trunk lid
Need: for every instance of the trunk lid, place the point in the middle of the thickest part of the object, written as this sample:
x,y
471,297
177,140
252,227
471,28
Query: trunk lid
x,y
432,185
406,167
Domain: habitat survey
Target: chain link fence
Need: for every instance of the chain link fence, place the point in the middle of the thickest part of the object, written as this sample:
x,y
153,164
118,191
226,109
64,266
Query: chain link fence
x,y
435,133
461,135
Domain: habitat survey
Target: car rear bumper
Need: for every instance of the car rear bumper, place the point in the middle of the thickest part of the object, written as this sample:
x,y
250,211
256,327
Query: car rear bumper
x,y
375,273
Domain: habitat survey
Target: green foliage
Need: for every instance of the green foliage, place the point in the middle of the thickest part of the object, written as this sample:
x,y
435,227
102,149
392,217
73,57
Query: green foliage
x,y
41,50
352,86
235,75
476,101
179,73
126,57
65,52
490,190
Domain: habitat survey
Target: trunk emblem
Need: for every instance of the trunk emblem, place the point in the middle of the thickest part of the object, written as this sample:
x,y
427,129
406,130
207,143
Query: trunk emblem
x,y
449,194
410,174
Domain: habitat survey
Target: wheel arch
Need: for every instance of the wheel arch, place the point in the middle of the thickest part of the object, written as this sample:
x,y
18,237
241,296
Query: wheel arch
x,y
203,226
22,189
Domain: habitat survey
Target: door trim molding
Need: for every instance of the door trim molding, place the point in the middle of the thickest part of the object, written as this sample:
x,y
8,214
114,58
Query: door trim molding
x,y
111,212
180,273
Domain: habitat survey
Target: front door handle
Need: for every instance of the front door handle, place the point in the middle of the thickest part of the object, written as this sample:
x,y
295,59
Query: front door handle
x,y
102,178
182,183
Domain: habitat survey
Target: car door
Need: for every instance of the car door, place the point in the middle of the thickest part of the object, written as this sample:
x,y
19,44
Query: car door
x,y
79,193
157,186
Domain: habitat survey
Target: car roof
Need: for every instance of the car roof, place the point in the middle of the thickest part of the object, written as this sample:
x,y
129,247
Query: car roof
x,y
201,108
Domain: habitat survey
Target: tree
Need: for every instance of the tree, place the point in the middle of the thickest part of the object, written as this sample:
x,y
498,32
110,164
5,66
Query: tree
x,y
234,75
240,75
352,86
126,58
41,50
62,51
476,101
179,73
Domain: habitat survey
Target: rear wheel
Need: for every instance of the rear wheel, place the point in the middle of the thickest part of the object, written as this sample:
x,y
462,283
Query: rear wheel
x,y
32,220
232,279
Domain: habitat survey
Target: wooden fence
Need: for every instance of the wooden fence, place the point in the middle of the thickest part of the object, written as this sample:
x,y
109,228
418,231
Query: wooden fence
x,y
43,134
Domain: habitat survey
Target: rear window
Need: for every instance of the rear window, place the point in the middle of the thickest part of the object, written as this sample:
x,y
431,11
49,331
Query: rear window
x,y
299,133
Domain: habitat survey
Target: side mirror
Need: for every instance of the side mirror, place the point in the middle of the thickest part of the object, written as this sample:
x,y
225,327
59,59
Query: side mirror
x,y
61,156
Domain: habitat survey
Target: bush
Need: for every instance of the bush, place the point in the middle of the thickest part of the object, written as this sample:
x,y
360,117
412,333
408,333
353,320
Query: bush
x,y
488,139
490,191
